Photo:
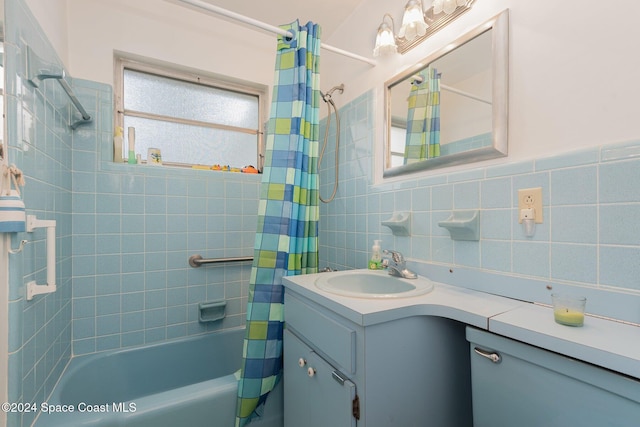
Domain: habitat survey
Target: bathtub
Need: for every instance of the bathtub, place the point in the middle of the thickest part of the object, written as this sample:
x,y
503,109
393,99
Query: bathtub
x,y
187,382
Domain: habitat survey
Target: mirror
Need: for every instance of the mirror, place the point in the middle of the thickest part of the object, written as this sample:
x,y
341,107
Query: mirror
x,y
451,108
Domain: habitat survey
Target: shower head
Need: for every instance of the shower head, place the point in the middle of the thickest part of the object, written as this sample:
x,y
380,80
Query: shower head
x,y
326,97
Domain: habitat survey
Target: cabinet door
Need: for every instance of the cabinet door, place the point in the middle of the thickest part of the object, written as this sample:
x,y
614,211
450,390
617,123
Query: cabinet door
x,y
315,394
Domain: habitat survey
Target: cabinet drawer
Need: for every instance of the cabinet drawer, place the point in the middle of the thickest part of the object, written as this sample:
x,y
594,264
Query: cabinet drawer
x,y
327,335
527,386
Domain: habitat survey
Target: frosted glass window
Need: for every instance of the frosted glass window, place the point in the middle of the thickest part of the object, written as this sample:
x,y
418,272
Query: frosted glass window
x,y
170,97
192,120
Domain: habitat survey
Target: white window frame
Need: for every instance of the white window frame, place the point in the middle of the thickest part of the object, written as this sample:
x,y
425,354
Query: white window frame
x,y
202,78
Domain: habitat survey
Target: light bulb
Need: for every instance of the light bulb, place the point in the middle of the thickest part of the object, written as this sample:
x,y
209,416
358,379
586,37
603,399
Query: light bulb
x,y
438,6
385,41
413,24
449,6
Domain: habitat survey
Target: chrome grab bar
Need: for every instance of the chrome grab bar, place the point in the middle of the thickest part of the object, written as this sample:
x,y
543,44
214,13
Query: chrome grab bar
x,y
196,261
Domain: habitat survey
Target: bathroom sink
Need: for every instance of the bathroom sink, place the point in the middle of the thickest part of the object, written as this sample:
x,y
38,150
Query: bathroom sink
x,y
372,284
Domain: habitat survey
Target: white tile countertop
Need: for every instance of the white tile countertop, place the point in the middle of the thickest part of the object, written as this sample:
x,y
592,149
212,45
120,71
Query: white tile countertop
x,y
610,344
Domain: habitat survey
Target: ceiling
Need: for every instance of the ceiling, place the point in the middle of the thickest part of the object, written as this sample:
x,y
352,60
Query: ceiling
x,y
328,13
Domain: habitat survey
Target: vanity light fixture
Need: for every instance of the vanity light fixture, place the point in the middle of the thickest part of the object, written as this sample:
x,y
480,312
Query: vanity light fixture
x,y
447,6
417,24
385,40
413,24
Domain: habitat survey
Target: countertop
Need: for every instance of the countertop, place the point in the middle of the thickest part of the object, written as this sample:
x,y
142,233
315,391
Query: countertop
x,y
607,343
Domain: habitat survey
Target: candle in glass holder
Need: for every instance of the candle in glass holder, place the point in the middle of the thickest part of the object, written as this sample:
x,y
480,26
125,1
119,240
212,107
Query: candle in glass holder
x,y
568,310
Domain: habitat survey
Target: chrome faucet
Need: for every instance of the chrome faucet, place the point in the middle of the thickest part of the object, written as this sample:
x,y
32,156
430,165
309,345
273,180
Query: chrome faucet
x,y
397,265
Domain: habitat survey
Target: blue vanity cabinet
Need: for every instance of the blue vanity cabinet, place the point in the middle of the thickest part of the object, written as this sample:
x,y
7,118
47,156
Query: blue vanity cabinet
x,y
408,372
516,384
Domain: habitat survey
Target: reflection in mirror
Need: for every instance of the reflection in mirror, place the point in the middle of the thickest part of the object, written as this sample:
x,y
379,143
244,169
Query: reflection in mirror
x,y
452,107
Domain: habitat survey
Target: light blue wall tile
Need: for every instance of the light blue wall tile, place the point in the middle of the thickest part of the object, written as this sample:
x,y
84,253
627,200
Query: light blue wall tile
x,y
466,195
132,204
496,255
510,169
84,307
619,181
108,203
132,339
133,301
107,183
496,224
442,249
619,224
442,197
574,224
107,304
466,253
108,342
576,263
108,284
133,321
620,151
83,244
578,158
106,244
133,282
620,266
574,186
108,325
155,318
84,328
496,193
84,346
531,258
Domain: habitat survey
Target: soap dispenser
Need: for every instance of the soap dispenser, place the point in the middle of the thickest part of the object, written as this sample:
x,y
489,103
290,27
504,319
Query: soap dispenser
x,y
375,263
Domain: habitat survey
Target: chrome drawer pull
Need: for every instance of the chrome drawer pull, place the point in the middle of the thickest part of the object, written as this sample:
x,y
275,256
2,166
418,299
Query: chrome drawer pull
x,y
494,357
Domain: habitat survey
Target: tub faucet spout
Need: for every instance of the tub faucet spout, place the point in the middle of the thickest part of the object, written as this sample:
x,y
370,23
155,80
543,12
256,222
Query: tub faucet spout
x,y
397,265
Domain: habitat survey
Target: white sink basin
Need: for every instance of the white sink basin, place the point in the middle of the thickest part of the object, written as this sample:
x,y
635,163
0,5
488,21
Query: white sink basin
x,y
372,284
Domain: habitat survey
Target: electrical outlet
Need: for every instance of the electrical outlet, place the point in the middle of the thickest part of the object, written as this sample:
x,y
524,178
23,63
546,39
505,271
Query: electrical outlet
x,y
531,198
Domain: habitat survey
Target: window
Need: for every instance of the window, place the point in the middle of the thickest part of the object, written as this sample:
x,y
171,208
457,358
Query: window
x,y
193,120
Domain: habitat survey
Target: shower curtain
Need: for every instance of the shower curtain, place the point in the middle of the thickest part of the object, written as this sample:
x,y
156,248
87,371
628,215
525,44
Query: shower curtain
x,y
286,240
423,117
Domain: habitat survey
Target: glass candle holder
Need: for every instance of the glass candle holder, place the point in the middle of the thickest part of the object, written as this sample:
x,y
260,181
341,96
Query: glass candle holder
x,y
568,309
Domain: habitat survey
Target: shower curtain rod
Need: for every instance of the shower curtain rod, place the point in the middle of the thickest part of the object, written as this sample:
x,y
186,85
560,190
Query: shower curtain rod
x,y
271,28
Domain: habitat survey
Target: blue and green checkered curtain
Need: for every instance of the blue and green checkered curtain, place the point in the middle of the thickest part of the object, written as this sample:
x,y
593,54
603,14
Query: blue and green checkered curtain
x,y
423,117
287,235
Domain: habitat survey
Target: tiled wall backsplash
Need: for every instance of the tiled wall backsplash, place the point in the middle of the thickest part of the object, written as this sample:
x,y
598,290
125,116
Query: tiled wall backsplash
x,y
589,238
124,232
39,143
134,228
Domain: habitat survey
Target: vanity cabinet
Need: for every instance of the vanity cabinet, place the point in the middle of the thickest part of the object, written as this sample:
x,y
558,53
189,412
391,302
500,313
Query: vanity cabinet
x,y
406,372
516,384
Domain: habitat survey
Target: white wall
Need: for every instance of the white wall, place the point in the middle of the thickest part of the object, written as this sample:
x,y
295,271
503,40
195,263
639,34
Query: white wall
x,y
164,31
52,16
573,73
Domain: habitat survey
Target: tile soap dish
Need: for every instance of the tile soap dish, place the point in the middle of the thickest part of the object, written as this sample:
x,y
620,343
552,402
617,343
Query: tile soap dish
x,y
399,223
211,311
463,225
